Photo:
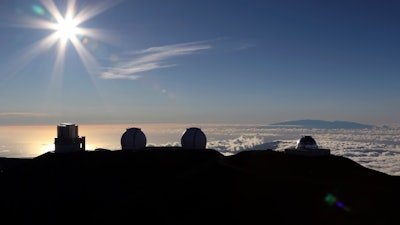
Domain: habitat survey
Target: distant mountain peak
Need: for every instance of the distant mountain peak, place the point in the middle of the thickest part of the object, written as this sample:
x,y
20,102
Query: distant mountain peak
x,y
309,123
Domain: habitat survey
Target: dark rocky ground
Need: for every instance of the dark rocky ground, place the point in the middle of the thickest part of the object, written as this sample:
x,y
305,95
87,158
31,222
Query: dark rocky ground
x,y
175,186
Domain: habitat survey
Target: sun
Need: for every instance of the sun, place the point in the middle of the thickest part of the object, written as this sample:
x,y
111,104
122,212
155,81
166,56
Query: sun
x,y
66,29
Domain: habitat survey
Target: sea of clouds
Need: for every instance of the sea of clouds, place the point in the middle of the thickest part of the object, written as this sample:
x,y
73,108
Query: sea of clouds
x,y
377,148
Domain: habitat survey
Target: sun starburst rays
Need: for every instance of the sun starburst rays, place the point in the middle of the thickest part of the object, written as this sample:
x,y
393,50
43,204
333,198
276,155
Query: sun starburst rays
x,y
65,30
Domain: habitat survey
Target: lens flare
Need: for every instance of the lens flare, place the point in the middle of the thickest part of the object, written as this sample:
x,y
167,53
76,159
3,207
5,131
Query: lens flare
x,y
38,9
332,200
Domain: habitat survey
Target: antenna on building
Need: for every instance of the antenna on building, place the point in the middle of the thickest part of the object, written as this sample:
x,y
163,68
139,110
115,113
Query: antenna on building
x,y
67,139
133,139
194,138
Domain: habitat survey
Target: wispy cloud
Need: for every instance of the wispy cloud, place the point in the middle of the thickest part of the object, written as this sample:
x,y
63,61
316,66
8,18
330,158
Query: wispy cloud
x,y
151,59
22,114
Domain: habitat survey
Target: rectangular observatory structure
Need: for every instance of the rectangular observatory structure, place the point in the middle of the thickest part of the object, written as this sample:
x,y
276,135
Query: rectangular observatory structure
x,y
67,139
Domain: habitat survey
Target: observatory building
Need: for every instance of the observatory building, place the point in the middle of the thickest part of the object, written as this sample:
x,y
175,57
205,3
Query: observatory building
x,y
67,139
307,146
133,139
193,138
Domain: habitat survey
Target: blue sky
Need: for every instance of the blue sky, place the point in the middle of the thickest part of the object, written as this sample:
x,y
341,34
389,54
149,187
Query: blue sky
x,y
200,61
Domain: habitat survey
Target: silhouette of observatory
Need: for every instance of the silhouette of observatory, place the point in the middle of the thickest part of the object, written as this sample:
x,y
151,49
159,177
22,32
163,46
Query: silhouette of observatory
x,y
67,139
193,138
307,146
133,139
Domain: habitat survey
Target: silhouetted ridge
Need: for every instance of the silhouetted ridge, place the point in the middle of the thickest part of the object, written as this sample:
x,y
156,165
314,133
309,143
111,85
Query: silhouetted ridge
x,y
324,124
170,185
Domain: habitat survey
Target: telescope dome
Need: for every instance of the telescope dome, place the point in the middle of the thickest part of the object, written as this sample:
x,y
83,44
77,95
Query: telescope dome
x,y
194,138
306,142
133,138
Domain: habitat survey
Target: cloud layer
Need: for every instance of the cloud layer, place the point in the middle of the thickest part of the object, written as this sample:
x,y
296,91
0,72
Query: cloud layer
x,y
378,149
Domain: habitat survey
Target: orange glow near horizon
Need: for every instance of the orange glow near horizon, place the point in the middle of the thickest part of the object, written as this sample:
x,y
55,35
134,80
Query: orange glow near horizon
x,y
35,140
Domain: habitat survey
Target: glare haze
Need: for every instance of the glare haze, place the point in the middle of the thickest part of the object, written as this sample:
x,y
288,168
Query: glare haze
x,y
199,61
